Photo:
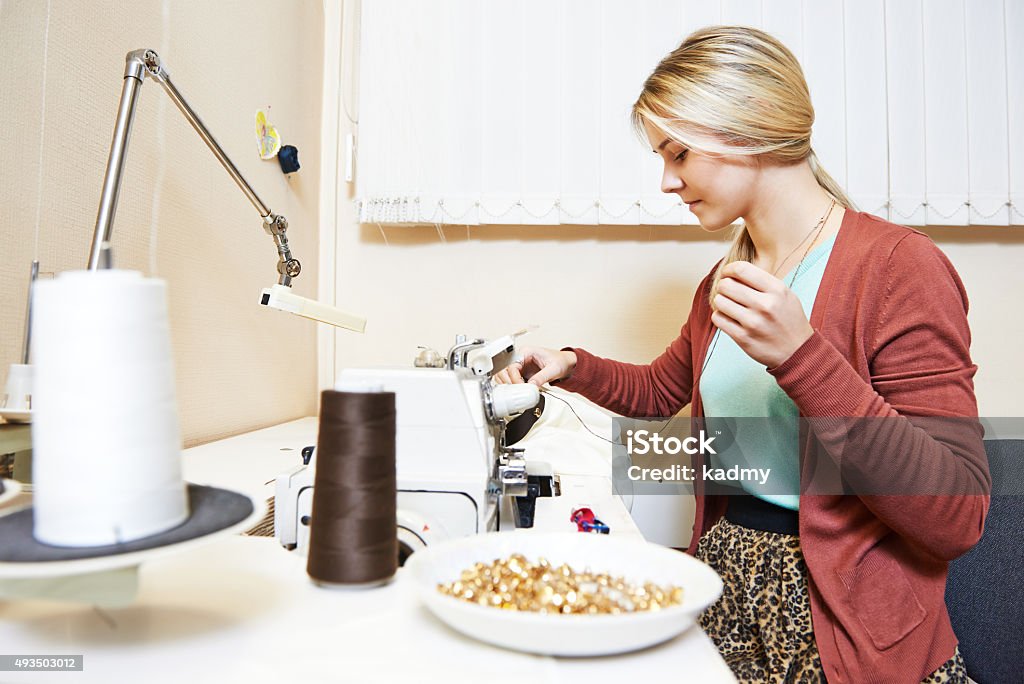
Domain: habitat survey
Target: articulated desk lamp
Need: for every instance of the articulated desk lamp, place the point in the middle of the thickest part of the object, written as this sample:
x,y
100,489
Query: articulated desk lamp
x,y
108,486
138,65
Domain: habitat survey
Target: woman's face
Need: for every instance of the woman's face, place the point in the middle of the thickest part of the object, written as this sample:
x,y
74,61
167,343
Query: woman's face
x,y
717,188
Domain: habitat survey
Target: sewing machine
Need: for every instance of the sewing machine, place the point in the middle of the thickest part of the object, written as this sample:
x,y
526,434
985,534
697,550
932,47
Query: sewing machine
x,y
454,469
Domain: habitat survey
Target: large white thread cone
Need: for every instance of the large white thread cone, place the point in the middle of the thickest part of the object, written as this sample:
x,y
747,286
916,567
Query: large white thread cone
x,y
106,464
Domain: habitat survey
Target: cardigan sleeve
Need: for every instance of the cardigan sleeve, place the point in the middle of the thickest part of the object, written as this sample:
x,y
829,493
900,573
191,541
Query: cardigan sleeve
x,y
911,430
656,390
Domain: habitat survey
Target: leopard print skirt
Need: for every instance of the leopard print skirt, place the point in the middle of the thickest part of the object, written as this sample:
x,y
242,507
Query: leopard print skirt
x,y
762,623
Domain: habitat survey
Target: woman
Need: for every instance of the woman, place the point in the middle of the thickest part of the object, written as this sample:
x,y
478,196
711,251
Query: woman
x,y
851,317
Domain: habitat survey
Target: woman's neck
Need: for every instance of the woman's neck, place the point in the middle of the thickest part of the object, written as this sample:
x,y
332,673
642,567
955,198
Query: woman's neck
x,y
784,218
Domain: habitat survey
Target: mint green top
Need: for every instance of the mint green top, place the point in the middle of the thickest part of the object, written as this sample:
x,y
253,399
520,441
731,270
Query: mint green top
x,y
733,385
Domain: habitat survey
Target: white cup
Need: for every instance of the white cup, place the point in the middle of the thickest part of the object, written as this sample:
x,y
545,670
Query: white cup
x,y
18,390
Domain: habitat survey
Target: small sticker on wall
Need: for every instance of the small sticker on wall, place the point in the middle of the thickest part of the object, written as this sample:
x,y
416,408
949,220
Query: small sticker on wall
x,y
267,137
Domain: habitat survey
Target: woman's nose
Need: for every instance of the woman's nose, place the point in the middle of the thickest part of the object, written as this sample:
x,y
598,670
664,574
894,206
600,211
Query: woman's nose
x,y
670,181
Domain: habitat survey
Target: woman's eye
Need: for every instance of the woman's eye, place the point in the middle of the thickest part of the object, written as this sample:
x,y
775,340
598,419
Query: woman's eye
x,y
681,156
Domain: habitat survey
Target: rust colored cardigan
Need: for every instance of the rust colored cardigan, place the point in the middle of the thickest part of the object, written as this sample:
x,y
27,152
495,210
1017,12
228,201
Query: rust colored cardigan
x,y
891,339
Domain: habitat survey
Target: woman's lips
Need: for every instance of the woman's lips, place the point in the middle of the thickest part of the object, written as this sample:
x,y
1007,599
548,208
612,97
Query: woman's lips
x,y
692,204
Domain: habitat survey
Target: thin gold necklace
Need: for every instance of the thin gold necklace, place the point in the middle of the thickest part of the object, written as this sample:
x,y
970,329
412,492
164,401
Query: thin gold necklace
x,y
819,226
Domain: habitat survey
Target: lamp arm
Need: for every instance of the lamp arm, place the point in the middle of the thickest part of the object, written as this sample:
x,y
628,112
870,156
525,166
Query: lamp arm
x,y
138,65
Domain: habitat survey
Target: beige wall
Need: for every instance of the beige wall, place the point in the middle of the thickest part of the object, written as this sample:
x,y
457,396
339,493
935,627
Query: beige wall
x,y
239,366
989,262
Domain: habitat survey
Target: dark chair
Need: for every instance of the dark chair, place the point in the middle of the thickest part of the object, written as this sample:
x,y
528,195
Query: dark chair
x,y
985,590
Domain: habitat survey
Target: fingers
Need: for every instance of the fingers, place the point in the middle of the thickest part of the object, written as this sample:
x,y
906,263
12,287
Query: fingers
x,y
740,293
536,365
750,307
734,311
532,358
727,325
750,275
546,374
515,373
510,375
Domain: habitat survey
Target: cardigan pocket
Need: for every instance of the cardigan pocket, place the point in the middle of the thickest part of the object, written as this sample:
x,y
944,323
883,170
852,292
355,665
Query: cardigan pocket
x,y
882,599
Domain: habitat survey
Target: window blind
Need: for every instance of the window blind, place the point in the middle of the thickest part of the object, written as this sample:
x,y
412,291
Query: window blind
x,y
518,113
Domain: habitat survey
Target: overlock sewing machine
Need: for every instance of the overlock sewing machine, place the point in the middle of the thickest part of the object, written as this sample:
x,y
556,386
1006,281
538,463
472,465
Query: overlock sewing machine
x,y
457,471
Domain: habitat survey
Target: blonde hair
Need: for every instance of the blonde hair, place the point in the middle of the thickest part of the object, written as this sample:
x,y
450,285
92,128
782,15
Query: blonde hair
x,y
742,89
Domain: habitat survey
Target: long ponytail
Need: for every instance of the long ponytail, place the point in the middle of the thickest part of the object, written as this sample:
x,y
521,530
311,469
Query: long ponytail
x,y
828,183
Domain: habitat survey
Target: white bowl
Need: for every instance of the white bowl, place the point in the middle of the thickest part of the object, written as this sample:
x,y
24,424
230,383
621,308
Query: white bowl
x,y
566,635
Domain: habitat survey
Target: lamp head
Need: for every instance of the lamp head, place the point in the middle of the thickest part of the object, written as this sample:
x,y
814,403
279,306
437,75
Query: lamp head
x,y
282,297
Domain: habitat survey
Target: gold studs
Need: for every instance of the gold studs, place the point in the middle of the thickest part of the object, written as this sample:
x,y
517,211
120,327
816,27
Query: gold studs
x,y
517,584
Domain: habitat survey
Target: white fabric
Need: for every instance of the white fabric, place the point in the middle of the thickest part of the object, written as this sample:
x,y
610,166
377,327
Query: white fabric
x,y
563,440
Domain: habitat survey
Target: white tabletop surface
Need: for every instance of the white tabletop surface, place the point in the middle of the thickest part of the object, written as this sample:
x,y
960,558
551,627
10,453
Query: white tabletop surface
x,y
241,609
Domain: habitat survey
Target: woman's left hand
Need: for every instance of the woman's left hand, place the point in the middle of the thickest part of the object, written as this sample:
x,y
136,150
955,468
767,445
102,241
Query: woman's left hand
x,y
762,315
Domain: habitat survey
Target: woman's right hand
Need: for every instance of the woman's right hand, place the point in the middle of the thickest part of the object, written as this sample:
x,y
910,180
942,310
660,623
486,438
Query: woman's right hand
x,y
538,365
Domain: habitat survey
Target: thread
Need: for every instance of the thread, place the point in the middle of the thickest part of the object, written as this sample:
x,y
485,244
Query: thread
x,y
42,135
353,533
106,466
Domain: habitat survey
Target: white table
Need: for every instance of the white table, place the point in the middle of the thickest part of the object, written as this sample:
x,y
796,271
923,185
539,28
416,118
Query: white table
x,y
241,609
